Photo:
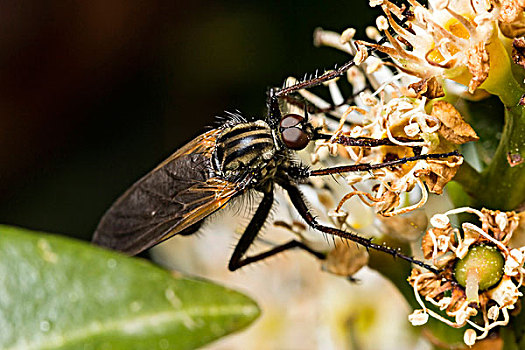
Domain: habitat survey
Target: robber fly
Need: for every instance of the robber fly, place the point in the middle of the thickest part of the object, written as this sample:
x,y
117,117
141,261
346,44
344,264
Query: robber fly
x,y
207,173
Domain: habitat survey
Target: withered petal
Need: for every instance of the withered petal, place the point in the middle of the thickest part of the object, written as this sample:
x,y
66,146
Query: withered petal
x,y
478,64
518,51
453,126
429,88
345,259
439,173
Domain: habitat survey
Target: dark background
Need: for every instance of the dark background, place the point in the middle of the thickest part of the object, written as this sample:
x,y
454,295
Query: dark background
x,y
94,94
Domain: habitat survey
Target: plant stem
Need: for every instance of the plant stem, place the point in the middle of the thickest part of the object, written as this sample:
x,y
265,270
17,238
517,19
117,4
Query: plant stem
x,y
397,271
502,184
468,178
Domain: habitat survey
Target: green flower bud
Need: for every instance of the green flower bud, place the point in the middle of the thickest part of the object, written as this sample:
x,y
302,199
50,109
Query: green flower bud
x,y
479,270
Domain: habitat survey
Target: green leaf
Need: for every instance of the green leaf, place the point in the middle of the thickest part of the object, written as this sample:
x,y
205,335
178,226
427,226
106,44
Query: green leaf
x,y
57,293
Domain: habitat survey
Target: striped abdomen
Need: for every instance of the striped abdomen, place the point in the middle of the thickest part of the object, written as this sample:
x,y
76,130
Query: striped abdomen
x,y
244,146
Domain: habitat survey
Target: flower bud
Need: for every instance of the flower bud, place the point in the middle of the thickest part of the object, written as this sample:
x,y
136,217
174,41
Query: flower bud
x,y
482,261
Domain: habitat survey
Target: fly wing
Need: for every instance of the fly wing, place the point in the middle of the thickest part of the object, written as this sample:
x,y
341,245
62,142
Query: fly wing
x,y
180,192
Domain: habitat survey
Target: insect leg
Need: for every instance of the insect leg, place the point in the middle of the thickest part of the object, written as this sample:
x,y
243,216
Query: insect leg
x,y
238,260
362,141
311,108
274,114
299,203
315,81
368,166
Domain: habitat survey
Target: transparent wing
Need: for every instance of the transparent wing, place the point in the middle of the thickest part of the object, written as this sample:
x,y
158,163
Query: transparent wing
x,y
178,193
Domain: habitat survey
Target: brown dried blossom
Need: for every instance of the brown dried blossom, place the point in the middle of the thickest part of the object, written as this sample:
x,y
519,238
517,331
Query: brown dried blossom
x,y
453,126
513,29
444,245
510,10
439,172
518,51
449,39
511,18
345,259
478,64
501,224
406,124
429,88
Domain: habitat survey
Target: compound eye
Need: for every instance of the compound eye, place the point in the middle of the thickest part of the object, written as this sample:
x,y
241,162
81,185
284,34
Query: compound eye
x,y
291,120
295,138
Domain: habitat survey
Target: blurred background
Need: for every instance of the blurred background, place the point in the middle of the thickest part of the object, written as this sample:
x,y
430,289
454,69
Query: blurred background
x,y
94,94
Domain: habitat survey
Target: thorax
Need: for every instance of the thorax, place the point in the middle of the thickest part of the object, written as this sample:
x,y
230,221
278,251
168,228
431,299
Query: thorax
x,y
245,148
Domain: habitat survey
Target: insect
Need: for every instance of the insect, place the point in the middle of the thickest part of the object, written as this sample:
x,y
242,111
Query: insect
x,y
223,163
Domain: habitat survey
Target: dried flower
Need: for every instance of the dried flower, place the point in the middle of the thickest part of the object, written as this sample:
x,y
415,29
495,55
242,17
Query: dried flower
x,y
451,39
453,128
345,259
405,122
479,272
395,112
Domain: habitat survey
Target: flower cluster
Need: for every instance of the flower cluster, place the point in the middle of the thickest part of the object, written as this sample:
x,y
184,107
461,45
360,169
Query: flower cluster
x,y
451,39
479,272
400,110
435,55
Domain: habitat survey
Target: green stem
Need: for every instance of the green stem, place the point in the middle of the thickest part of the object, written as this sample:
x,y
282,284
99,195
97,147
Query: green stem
x,y
396,272
468,178
502,184
508,90
501,81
